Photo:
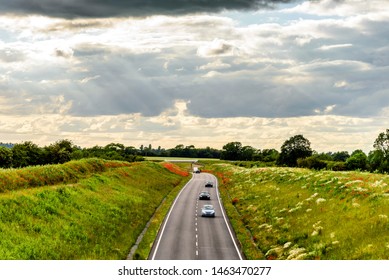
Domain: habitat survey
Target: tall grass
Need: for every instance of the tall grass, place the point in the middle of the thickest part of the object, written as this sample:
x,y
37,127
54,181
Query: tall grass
x,y
91,209
303,214
36,176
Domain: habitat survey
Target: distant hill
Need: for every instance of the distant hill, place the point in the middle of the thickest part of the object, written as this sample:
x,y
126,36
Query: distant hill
x,y
7,145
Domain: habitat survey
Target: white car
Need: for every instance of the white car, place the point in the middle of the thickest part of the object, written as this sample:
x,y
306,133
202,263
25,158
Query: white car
x,y
208,211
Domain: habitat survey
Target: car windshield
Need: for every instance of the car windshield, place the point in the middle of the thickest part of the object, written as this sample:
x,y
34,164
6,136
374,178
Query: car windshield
x,y
204,193
208,207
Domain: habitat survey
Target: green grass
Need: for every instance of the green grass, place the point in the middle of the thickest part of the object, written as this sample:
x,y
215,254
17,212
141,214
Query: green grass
x,y
286,213
96,212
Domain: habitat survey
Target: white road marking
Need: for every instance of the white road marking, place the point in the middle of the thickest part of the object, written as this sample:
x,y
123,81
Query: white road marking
x,y
225,220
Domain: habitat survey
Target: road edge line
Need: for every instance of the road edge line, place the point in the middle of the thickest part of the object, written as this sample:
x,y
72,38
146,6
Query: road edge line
x,y
167,219
225,220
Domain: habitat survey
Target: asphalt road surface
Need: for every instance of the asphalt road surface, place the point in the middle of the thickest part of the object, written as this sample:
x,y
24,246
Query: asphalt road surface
x,y
185,235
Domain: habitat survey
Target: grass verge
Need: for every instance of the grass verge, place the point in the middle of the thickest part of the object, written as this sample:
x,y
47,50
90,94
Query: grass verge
x,y
92,214
304,214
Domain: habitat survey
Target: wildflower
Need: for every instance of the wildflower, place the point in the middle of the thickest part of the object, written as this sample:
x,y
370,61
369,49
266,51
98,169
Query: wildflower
x,y
320,200
274,252
299,204
294,209
308,210
353,182
263,226
379,183
295,253
356,205
335,242
287,245
383,217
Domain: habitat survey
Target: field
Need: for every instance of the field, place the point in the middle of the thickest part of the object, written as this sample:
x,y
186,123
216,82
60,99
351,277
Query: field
x,y
88,209
179,159
290,213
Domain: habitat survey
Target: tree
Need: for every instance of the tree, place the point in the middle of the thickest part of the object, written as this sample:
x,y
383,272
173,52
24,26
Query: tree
x,y
382,143
294,148
357,160
379,158
377,161
59,152
25,154
340,156
231,151
5,157
267,155
247,153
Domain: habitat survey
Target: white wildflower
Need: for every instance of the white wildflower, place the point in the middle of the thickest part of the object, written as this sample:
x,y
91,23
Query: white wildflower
x,y
335,242
263,226
277,251
379,183
320,200
287,245
294,209
383,217
308,210
279,220
301,256
356,205
293,254
353,182
332,235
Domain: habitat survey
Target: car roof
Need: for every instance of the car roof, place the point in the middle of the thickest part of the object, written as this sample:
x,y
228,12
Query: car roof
x,y
208,206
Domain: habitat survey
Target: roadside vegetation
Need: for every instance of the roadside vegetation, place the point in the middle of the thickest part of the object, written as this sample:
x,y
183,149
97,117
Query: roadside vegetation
x,y
87,209
295,213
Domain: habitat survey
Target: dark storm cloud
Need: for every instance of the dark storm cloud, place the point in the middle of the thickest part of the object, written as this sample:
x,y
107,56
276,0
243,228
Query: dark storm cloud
x,y
137,8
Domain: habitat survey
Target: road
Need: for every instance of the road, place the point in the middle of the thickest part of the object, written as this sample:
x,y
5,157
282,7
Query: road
x,y
185,235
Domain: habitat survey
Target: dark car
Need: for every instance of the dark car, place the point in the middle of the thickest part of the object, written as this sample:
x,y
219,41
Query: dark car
x,y
209,184
204,195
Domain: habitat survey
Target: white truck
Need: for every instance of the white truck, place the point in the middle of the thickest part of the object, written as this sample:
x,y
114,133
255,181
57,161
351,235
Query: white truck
x,y
196,169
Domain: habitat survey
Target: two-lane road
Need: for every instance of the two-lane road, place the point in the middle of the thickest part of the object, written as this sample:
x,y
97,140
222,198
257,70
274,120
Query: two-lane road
x,y
185,235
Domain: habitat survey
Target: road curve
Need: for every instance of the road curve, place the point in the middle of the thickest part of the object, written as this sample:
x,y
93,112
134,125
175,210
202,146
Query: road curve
x,y
185,235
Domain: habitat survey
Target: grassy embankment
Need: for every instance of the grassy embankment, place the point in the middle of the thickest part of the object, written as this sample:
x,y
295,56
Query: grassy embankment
x,y
286,213
88,209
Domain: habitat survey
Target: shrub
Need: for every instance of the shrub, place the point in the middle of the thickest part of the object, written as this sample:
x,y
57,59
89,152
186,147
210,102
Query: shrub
x,y
311,162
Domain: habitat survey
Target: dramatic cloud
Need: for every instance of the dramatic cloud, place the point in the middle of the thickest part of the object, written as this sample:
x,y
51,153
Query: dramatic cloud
x,y
137,8
317,68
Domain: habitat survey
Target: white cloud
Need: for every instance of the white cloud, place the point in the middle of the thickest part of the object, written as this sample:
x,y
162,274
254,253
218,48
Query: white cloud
x,y
330,47
217,48
215,65
320,69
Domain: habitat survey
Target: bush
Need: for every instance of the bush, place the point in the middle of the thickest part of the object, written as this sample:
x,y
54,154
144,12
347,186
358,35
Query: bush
x,y
336,166
311,162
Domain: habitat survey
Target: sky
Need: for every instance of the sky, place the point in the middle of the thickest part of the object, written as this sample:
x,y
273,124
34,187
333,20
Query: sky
x,y
193,72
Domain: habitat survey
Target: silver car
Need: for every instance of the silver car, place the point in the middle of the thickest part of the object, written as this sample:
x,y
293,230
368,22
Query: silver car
x,y
208,211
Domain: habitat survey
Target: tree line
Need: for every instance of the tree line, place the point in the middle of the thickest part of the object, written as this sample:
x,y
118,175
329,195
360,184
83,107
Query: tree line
x,y
294,152
297,152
